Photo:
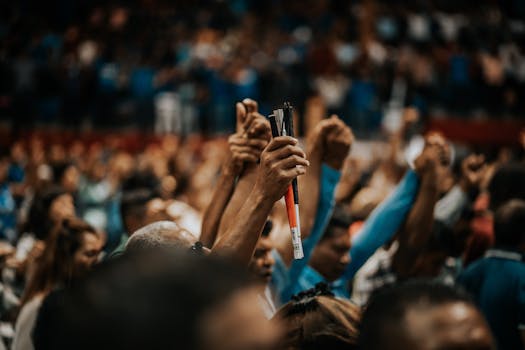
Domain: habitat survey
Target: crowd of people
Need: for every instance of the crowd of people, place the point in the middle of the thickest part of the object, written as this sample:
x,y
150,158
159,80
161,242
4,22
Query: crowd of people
x,y
186,243
92,63
183,241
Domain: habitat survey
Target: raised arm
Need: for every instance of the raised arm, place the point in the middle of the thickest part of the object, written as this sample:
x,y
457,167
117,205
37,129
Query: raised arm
x,y
253,126
242,151
383,223
281,162
328,147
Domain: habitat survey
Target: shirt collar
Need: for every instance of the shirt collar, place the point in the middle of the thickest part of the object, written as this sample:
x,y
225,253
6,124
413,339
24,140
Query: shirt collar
x,y
504,254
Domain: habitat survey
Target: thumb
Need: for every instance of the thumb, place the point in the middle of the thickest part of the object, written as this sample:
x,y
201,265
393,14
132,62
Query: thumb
x,y
240,114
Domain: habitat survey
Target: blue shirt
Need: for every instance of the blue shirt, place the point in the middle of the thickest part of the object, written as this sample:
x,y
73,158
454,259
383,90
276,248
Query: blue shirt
x,y
7,214
284,279
497,283
380,226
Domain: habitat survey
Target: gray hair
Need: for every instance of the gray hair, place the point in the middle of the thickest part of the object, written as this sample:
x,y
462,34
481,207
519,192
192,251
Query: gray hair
x,y
160,234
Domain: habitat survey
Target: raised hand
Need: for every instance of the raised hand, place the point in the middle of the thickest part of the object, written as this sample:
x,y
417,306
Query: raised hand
x,y
333,138
281,162
473,170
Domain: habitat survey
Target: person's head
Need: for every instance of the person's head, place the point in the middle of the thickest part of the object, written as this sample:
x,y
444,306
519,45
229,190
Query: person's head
x,y
67,175
71,250
160,234
140,203
158,300
423,315
49,208
509,225
507,183
141,207
331,255
315,319
262,261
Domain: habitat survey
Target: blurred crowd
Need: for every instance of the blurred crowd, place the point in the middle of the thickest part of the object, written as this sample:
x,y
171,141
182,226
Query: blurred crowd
x,y
180,66
411,242
183,241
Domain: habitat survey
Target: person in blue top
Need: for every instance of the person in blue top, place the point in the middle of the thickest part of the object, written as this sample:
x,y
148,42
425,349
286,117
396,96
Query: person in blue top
x,y
7,202
497,282
337,256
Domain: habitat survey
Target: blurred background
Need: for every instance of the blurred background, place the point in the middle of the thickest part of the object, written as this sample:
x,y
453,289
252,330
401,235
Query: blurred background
x,y
179,66
114,87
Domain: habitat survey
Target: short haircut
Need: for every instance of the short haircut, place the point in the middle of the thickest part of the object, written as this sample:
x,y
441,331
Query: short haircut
x,y
383,317
133,202
509,224
147,300
160,234
318,320
340,219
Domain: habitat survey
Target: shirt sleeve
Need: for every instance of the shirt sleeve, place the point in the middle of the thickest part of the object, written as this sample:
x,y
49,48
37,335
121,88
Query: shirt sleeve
x,y
383,223
329,180
448,209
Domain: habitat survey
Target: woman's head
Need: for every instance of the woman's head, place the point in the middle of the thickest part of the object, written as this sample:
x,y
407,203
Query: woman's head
x,y
315,319
72,249
49,208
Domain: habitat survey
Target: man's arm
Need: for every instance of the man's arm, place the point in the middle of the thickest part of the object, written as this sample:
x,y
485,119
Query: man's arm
x,y
251,125
328,147
242,151
281,162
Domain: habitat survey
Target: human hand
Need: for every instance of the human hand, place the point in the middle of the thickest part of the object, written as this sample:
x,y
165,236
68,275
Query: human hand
x,y
281,162
242,150
472,172
333,138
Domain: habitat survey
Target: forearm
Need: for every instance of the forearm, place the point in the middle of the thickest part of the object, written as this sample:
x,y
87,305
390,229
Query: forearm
x,y
240,239
329,180
308,203
242,190
309,189
213,214
383,222
418,226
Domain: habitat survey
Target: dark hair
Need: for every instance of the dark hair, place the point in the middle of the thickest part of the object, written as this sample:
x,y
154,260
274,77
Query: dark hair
x,y
137,190
340,219
147,300
509,224
507,183
59,169
55,264
382,321
39,222
315,319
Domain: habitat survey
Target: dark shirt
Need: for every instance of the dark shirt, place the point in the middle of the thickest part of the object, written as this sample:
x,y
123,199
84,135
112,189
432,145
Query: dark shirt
x,y
497,283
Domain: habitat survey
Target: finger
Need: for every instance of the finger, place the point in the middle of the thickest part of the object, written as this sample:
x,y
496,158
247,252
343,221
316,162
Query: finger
x,y
292,173
241,149
259,127
288,151
240,113
247,157
249,120
292,161
250,104
279,142
254,142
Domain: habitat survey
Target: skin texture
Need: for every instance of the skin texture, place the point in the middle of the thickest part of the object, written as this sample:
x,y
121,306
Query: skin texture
x,y
238,316
87,255
262,261
281,162
451,326
62,207
331,255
